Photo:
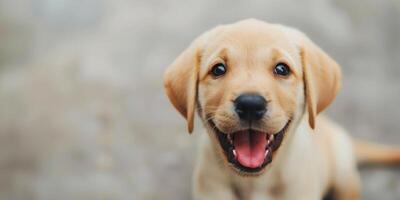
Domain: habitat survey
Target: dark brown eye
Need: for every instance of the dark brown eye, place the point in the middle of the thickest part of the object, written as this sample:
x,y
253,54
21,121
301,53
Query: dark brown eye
x,y
218,70
282,69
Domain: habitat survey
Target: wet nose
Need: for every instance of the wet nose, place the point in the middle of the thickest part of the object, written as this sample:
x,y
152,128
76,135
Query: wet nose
x,y
250,107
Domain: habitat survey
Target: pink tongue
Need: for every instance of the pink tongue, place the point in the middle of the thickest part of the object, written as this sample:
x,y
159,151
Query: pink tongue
x,y
250,148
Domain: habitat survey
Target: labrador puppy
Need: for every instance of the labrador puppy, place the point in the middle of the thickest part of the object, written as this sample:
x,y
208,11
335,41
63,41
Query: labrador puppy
x,y
258,89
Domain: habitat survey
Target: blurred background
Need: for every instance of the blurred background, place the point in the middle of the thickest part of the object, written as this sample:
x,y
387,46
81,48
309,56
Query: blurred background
x,y
83,114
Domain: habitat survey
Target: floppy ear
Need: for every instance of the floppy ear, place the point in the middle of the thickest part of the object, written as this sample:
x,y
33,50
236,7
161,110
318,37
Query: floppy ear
x,y
181,77
180,82
322,78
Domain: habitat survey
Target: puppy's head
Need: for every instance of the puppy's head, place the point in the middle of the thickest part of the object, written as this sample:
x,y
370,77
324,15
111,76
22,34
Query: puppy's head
x,y
251,82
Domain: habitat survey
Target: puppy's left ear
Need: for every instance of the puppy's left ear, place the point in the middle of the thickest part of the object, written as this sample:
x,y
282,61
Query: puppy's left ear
x,y
322,78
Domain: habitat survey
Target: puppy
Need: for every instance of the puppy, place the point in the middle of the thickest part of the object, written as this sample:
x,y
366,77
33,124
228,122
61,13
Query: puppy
x,y
258,88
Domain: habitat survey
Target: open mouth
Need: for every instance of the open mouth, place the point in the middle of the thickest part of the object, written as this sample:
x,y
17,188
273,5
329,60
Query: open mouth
x,y
249,150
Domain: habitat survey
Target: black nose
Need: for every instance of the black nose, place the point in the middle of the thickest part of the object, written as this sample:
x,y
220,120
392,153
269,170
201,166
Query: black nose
x,y
250,106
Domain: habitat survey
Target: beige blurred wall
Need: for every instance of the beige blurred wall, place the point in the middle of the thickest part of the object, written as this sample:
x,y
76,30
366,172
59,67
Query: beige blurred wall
x,y
82,110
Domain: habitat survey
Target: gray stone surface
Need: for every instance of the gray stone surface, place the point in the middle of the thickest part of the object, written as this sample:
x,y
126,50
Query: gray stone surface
x,y
82,110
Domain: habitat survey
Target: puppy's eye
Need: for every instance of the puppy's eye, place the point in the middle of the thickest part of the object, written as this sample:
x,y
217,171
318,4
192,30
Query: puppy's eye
x,y
218,70
282,69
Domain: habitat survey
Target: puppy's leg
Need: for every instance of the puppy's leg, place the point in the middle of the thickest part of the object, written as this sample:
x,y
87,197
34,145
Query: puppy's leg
x,y
346,178
209,186
211,180
349,190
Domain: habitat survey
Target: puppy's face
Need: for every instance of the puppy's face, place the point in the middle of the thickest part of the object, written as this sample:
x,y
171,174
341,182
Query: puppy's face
x,y
248,84
250,88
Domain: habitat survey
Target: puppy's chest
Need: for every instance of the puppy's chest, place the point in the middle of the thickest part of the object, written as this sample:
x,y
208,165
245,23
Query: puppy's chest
x,y
276,189
260,189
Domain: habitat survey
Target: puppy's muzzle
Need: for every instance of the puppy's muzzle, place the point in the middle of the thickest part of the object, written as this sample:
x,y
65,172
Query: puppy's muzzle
x,y
250,107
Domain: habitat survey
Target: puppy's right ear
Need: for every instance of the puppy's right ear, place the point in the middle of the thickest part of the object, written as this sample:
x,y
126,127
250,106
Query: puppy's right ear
x,y
181,80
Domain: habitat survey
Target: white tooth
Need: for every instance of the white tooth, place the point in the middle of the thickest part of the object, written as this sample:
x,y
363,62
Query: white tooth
x,y
266,153
230,138
234,152
271,137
